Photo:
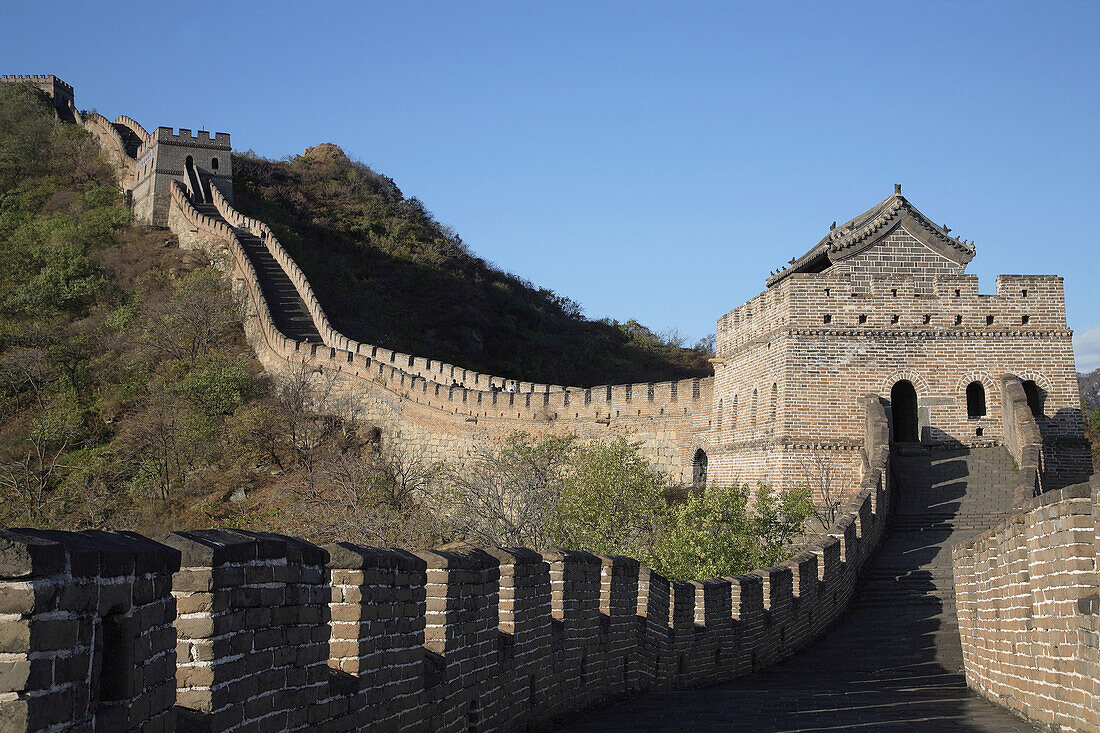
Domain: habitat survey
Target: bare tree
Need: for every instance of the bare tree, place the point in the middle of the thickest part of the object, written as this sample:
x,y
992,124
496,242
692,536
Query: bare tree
x,y
506,495
196,316
370,497
819,472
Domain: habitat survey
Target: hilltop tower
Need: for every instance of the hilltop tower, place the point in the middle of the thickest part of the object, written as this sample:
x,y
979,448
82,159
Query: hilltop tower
x,y
198,160
146,164
60,92
883,305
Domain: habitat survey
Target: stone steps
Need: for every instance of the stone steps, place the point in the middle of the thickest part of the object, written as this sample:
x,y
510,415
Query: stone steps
x,y
288,310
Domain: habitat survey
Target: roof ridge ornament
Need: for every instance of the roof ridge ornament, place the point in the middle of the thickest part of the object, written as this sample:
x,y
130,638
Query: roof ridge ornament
x,y
897,189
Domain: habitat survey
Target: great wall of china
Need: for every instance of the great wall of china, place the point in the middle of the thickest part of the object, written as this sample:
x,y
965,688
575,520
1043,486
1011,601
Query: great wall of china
x,y
219,630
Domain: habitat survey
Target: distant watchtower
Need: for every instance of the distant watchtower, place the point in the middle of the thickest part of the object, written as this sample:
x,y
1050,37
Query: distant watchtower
x,y
61,93
198,160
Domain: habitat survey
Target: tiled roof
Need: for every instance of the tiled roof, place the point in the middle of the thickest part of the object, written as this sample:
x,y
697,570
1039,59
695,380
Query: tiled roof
x,y
864,230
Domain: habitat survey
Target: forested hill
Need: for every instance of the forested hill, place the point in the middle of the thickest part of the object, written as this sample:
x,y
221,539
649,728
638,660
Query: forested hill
x,y
388,273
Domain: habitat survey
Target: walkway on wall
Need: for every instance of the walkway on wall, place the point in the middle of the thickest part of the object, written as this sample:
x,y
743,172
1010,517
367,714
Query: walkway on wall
x,y
288,310
894,661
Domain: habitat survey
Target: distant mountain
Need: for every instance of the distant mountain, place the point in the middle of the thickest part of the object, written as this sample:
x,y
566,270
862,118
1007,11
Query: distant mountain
x,y
1089,385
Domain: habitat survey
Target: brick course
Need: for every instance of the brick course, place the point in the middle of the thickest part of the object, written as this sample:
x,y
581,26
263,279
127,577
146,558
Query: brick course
x,y
1028,597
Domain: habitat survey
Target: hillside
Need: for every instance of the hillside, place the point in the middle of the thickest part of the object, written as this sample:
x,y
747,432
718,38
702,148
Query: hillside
x,y
388,273
1089,384
130,399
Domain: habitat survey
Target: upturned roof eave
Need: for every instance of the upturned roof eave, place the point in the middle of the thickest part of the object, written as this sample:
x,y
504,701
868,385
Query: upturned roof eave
x,y
864,230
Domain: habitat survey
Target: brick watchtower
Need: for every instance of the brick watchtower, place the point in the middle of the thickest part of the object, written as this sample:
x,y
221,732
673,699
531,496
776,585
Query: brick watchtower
x,y
199,160
882,305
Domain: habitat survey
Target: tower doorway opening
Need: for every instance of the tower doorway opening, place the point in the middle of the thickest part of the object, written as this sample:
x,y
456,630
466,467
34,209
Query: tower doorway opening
x,y
1034,397
699,469
903,404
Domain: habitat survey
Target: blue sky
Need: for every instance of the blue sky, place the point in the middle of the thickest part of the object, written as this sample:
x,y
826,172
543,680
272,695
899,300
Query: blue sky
x,y
649,160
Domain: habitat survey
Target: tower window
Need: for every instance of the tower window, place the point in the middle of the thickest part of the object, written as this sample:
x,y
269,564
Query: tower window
x,y
989,320
1025,319
828,318
862,318
895,318
214,164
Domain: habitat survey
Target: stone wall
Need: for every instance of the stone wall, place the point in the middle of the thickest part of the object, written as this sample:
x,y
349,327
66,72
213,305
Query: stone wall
x,y
1028,596
86,636
273,634
113,147
413,400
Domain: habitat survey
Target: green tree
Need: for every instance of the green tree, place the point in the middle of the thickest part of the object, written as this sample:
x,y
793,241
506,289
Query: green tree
x,y
726,530
611,501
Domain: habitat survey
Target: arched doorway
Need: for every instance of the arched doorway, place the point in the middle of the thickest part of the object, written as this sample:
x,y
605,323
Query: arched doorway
x,y
903,405
1034,397
699,469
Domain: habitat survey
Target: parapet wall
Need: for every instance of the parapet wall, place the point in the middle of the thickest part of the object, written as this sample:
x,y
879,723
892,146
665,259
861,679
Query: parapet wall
x,y
110,141
200,139
1028,598
134,126
1023,440
272,633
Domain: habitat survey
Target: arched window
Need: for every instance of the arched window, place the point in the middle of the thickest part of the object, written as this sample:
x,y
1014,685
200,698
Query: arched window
x,y
699,469
975,400
1034,397
214,164
903,405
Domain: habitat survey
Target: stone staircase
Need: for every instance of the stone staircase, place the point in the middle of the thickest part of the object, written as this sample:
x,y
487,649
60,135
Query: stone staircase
x,y
942,497
288,310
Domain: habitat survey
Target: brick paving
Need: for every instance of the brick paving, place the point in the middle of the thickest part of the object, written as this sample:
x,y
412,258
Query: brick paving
x,y
894,662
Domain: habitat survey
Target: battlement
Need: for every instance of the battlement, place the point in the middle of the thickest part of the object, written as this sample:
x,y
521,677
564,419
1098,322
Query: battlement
x,y
947,302
202,138
38,79
247,629
1028,598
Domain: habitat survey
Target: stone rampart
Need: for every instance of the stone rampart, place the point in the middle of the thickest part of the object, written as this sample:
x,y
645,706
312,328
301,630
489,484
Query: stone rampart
x,y
185,138
1028,597
414,398
111,142
86,635
134,126
272,633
